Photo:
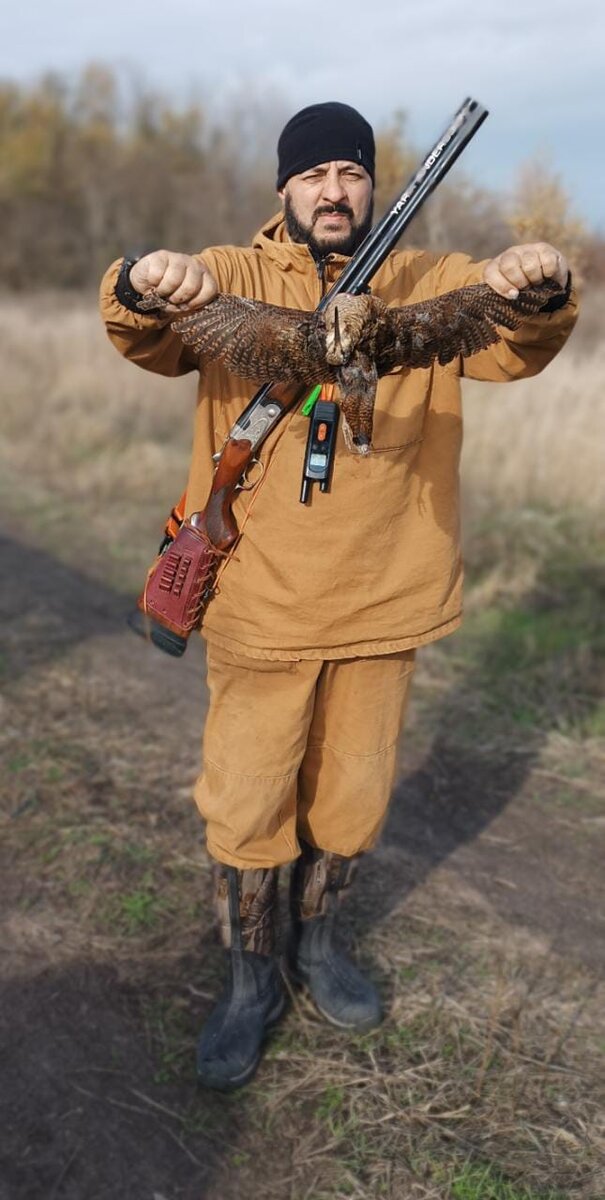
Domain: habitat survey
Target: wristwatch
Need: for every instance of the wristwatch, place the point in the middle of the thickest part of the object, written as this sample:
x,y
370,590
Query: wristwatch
x,y
127,295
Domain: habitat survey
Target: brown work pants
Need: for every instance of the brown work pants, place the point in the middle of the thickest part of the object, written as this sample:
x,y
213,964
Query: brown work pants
x,y
303,748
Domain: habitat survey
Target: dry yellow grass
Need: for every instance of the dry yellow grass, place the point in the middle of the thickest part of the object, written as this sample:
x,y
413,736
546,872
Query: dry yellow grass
x,y
539,442
74,414
79,426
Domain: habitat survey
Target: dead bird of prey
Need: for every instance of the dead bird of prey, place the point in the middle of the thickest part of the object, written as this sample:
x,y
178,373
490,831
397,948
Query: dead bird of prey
x,y
353,341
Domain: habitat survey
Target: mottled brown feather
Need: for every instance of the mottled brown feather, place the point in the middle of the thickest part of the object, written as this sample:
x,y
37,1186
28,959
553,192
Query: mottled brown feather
x,y
258,341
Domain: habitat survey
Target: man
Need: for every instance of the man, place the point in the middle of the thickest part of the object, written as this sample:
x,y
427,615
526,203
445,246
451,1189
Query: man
x,y
312,635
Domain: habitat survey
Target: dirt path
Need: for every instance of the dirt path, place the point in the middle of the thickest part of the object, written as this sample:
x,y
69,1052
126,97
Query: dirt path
x,y
108,961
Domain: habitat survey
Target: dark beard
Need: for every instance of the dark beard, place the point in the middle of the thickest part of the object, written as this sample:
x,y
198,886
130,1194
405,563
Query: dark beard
x,y
340,244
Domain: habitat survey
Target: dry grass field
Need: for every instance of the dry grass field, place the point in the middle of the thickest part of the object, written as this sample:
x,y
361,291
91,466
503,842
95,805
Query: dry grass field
x,y
484,927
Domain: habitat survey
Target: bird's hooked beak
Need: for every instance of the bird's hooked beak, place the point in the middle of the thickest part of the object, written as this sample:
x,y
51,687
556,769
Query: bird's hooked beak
x,y
337,342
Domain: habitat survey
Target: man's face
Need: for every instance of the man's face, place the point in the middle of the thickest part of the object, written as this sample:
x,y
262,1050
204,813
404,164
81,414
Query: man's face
x,y
329,207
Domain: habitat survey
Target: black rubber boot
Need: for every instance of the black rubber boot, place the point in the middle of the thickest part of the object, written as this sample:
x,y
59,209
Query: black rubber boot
x,y
229,1048
342,995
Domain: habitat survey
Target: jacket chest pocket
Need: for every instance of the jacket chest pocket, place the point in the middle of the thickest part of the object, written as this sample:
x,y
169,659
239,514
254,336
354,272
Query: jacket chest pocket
x,y
402,403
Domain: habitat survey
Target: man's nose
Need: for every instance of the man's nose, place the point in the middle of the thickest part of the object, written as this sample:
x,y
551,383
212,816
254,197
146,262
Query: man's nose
x,y
334,189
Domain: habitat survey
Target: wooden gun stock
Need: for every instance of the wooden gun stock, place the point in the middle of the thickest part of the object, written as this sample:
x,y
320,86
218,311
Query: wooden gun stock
x,y
236,455
217,519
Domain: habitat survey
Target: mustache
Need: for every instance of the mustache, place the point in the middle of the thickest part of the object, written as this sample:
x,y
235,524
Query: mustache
x,y
329,209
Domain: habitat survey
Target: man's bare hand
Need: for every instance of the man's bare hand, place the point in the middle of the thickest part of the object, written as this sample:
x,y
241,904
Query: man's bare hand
x,y
518,266
183,280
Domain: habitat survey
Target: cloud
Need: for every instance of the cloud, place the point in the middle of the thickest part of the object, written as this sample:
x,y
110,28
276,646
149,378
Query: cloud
x,y
538,66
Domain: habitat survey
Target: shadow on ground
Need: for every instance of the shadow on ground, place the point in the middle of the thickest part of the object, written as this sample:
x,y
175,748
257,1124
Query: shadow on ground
x,y
539,672
47,607
84,1113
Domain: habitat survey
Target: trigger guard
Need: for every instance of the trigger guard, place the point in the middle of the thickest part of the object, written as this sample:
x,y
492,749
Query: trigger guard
x,y
245,484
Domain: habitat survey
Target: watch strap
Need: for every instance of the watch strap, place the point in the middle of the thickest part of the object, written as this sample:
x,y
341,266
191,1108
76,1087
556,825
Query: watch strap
x,y
557,302
127,295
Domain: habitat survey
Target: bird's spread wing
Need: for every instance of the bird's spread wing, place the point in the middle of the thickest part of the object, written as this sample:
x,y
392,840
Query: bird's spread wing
x,y
461,322
258,341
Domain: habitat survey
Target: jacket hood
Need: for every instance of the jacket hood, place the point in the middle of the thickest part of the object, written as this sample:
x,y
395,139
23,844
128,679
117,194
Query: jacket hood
x,y
274,241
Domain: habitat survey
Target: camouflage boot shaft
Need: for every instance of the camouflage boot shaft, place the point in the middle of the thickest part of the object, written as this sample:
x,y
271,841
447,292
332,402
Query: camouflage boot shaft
x,y
320,881
245,904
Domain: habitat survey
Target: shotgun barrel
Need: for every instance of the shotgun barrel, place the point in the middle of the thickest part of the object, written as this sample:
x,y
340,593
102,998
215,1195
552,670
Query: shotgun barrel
x,y
385,234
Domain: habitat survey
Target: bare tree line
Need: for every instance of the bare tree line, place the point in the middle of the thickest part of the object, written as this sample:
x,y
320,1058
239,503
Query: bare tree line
x,y
90,170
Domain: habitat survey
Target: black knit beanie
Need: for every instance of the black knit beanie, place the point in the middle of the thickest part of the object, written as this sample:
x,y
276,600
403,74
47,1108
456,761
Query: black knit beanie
x,y
324,133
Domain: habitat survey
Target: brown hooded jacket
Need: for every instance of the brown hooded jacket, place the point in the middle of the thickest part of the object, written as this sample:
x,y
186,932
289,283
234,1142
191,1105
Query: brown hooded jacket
x,y
373,566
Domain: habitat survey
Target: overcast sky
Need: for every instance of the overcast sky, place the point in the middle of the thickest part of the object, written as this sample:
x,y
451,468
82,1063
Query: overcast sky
x,y
538,65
